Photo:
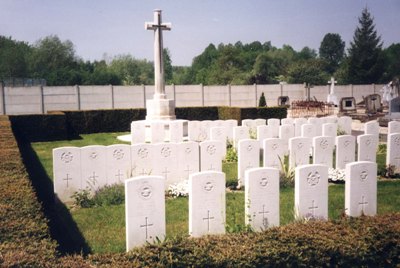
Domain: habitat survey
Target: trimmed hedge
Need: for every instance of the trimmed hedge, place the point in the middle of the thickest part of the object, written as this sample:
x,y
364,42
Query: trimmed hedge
x,y
25,238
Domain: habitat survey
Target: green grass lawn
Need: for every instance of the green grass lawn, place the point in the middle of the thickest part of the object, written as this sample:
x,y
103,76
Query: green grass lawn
x,y
104,227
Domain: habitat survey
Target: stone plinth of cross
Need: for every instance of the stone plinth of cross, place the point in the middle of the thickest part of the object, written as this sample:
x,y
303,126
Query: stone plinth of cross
x,y
158,27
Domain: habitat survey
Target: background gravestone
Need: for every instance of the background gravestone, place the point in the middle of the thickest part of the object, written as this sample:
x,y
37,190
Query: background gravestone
x,y
317,123
240,133
157,132
219,134
188,159
308,131
299,151
138,132
164,162
367,145
393,151
175,131
345,150
193,130
264,132
66,172
93,167
262,198
329,129
311,192
206,203
141,157
344,124
230,124
394,127
144,210
211,156
287,121
323,150
205,126
248,157
274,123
274,152
118,160
372,127
298,122
361,188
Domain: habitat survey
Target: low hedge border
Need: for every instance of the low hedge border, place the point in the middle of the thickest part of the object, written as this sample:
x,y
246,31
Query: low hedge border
x,y
25,239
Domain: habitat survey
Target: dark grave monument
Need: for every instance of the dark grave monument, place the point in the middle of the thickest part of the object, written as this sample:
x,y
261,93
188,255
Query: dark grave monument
x,y
347,105
373,104
283,101
394,108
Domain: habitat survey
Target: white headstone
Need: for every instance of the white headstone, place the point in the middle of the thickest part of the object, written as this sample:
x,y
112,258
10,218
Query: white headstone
x,y
323,150
206,203
372,127
144,210
205,126
331,119
240,133
274,152
298,122
211,156
345,150
344,124
329,129
230,124
299,151
361,189
367,145
308,131
393,151
274,123
66,172
262,198
311,192
248,157
118,159
286,132
138,132
141,157
394,127
317,122
93,167
287,121
157,132
219,134
193,130
164,162
264,132
250,123
260,122
175,131
188,159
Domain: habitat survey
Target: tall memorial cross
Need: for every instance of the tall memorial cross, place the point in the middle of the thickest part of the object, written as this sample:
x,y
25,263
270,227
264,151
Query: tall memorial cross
x,y
157,26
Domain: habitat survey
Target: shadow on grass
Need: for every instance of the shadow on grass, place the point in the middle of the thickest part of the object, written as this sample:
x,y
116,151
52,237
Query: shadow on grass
x,y
62,226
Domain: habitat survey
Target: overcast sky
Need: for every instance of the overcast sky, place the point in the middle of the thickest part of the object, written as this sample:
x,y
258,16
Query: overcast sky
x,y
116,27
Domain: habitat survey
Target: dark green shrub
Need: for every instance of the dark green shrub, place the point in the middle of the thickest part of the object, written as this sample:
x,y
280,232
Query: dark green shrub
x,y
83,199
197,113
262,102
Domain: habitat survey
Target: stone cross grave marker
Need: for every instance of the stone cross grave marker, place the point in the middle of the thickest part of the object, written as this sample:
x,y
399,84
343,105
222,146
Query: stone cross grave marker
x,y
393,151
118,163
262,198
93,167
248,157
240,133
329,129
206,203
141,157
274,152
394,127
144,210
164,162
311,192
361,188
138,132
188,159
66,172
367,145
211,156
299,151
323,150
345,150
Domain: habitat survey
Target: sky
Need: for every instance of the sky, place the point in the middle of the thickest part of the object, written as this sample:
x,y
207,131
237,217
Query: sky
x,y
102,29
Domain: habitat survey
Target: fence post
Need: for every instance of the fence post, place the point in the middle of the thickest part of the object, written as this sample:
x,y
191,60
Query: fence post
x,y
3,97
202,95
374,87
144,95
173,90
78,96
112,97
352,93
255,91
230,95
42,99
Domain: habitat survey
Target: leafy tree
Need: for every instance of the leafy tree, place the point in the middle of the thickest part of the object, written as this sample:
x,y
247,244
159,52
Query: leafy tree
x,y
366,61
332,51
306,54
392,59
264,70
310,72
131,71
167,66
14,58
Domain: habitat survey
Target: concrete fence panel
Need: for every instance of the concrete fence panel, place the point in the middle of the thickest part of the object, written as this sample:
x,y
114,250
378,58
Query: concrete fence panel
x,y
243,96
23,100
188,95
128,97
60,98
216,95
271,93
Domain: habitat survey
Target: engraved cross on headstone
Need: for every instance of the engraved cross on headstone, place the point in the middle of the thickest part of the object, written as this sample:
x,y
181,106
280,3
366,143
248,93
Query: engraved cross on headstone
x,y
165,172
146,225
208,220
119,175
158,27
188,170
264,219
92,179
363,203
67,179
312,208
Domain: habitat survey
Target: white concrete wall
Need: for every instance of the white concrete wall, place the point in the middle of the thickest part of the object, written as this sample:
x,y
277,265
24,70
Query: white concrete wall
x,y
34,100
1,99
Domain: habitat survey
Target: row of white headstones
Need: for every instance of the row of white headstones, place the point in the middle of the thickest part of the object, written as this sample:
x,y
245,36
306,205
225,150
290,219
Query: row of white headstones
x,y
145,200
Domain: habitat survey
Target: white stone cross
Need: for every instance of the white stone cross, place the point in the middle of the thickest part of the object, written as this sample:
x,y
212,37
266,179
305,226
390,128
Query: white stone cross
x,y
332,82
158,27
